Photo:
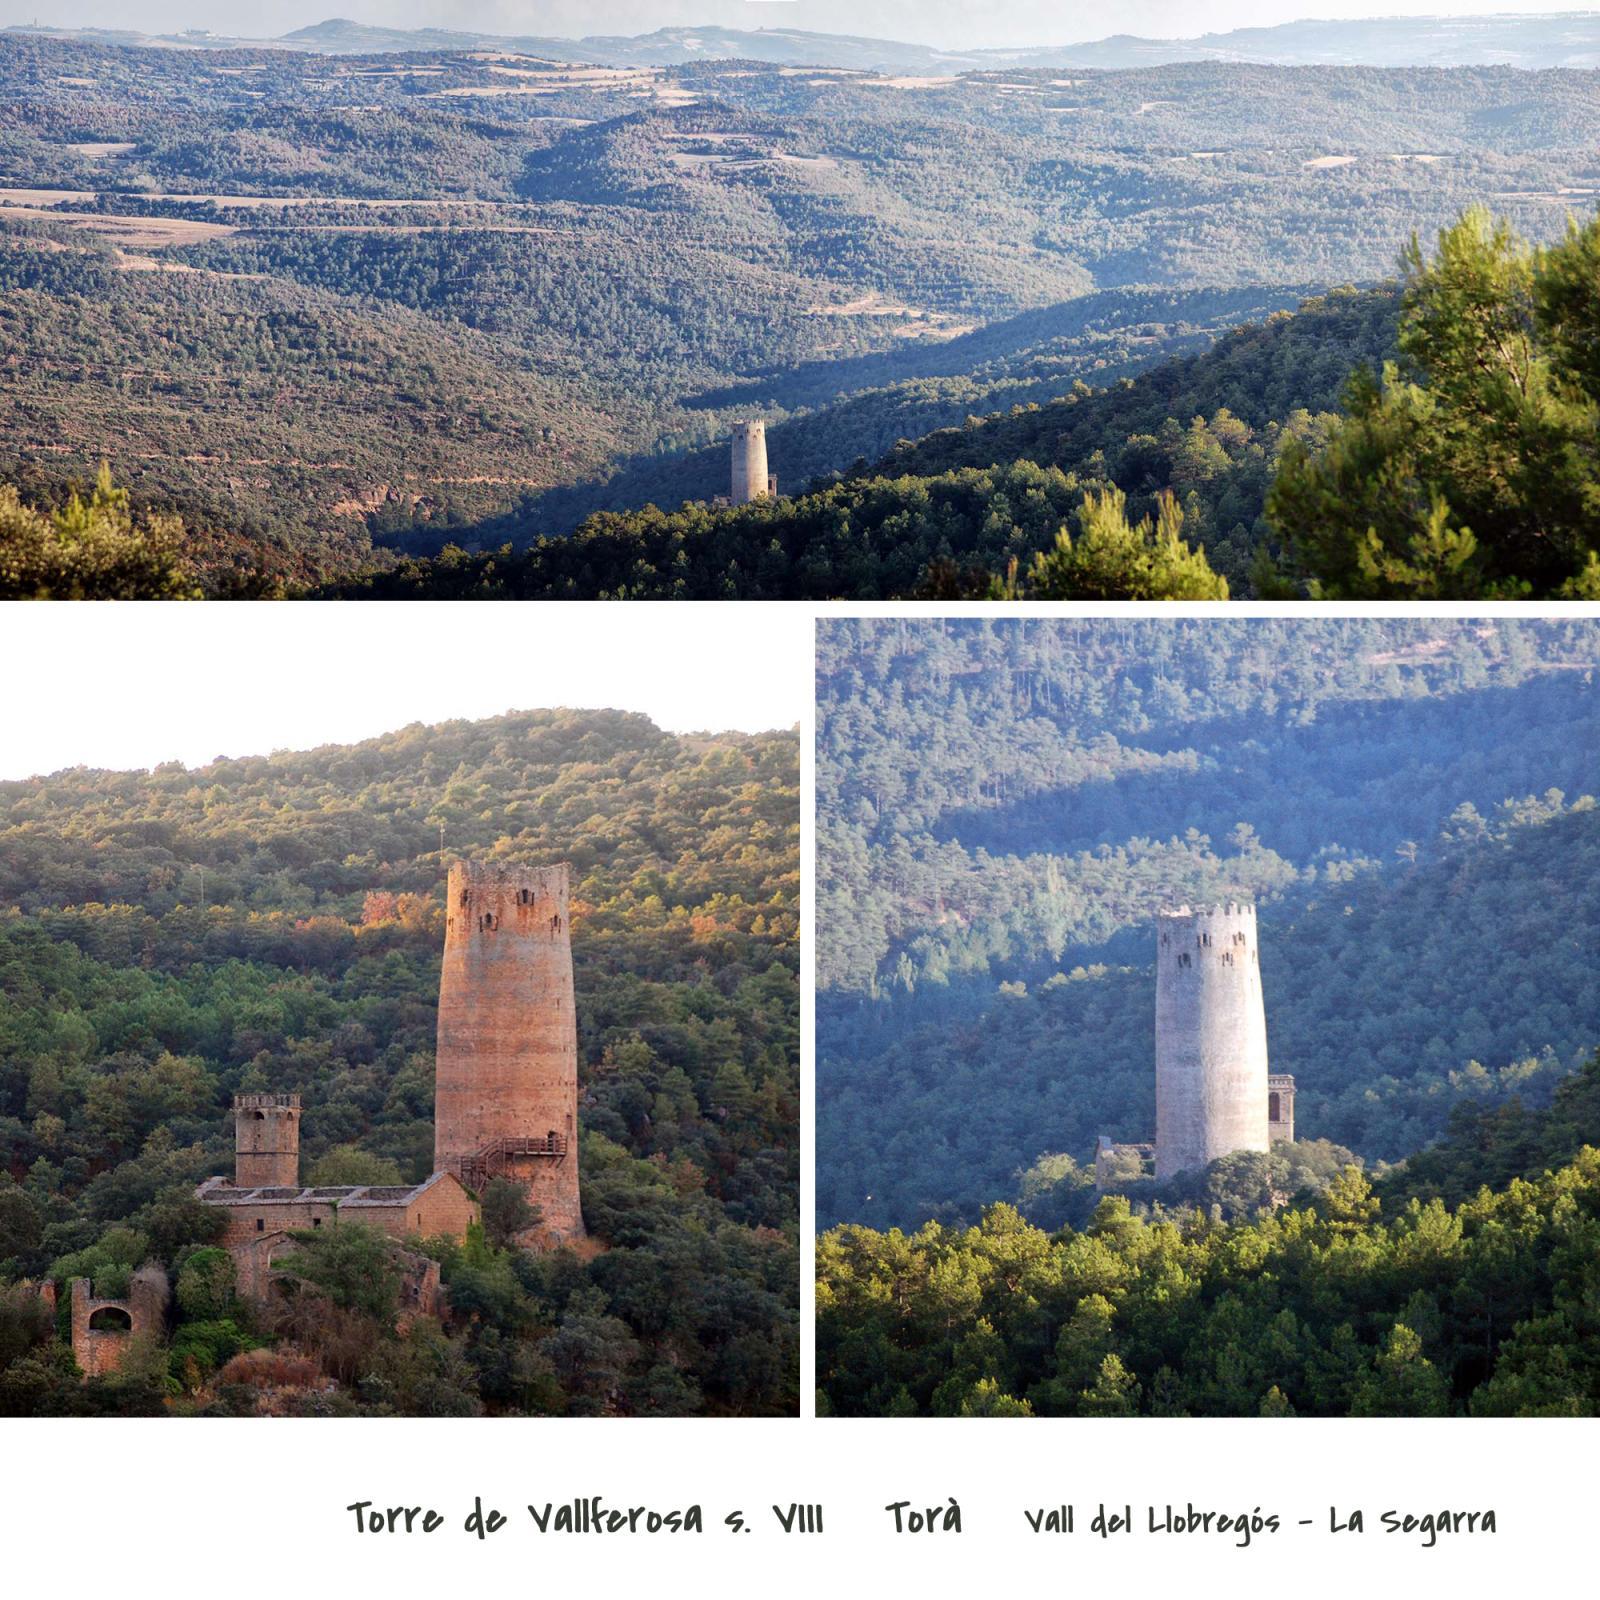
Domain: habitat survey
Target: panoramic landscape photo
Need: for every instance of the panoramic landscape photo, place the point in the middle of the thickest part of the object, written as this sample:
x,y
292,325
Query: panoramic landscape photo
x,y
1207,1017
451,1072
892,301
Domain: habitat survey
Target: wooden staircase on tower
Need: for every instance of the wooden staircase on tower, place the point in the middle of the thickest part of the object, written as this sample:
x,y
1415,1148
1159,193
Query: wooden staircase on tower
x,y
495,1160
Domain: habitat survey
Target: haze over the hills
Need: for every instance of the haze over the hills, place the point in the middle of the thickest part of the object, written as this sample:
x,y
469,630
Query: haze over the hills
x,y
430,296
940,24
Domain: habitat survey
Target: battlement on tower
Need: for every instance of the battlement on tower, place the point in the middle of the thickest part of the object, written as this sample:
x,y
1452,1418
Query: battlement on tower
x,y
486,898
498,876
1221,936
1225,911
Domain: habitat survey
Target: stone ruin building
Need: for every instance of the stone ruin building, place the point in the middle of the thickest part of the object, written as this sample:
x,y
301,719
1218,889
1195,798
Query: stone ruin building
x,y
505,1093
103,1329
266,1203
506,1106
1214,1092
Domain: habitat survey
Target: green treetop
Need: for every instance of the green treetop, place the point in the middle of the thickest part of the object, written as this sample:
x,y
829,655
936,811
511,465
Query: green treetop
x,y
1471,469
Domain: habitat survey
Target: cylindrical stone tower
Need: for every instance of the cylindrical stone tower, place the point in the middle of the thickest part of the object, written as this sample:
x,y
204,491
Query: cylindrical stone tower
x,y
266,1141
749,462
506,1096
1211,1038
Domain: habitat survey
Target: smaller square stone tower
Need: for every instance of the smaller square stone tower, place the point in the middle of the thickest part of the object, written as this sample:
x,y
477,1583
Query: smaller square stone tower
x,y
266,1141
1280,1106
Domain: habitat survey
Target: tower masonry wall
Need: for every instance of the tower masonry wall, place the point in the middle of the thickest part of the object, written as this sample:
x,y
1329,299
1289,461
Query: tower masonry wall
x,y
750,480
1211,1038
507,1063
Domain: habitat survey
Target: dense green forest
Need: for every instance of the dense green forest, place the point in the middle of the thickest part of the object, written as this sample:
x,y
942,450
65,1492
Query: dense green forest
x,y
457,299
171,937
1464,1284
1003,806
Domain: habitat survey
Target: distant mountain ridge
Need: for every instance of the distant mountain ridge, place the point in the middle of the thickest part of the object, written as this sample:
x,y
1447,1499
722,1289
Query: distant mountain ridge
x,y
1555,39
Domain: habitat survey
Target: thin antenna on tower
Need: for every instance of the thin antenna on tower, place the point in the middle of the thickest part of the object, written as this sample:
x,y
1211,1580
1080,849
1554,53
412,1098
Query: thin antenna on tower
x,y
441,839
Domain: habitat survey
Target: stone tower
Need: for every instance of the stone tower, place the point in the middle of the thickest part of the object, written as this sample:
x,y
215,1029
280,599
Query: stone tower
x,y
266,1141
751,480
506,1099
1211,1038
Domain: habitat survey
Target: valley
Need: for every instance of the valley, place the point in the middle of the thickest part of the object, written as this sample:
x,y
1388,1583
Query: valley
x,y
531,291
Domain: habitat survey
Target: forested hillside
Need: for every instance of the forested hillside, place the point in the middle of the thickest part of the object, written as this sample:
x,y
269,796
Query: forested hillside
x,y
971,498
895,396
1452,458
276,417
477,296
274,923
1004,806
1368,1303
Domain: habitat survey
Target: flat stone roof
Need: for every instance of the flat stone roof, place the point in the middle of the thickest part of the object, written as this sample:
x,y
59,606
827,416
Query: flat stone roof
x,y
222,1192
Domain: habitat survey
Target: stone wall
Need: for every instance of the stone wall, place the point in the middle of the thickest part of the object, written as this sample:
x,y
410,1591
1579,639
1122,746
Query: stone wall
x,y
1116,1164
257,1260
253,1261
442,1209
262,1217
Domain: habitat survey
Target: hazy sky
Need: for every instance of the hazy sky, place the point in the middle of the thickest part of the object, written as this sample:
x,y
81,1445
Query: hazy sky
x,y
951,23
128,686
